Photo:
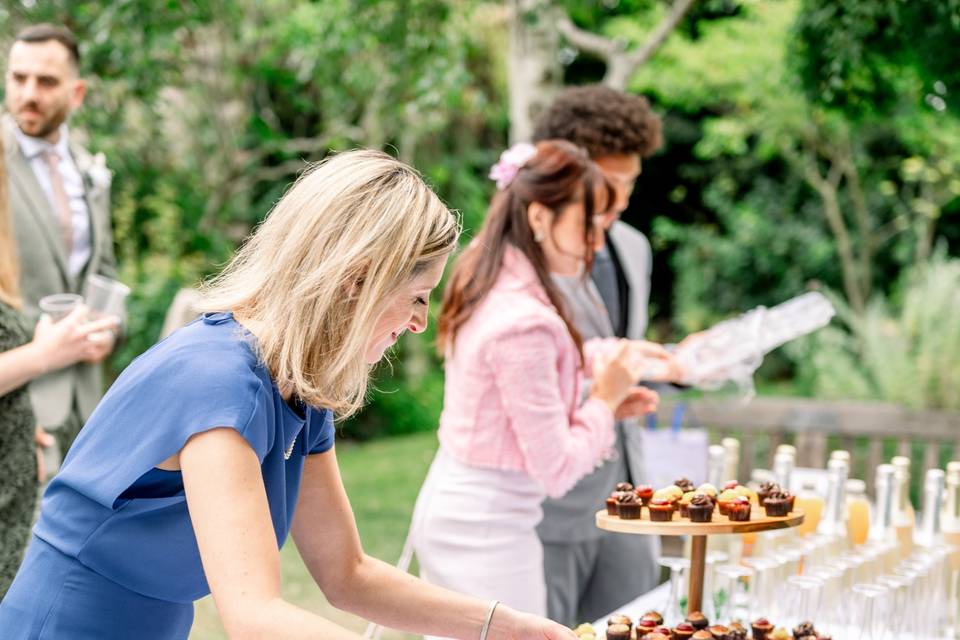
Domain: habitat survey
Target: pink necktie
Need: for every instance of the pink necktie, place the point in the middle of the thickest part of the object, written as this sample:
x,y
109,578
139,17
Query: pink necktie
x,y
61,201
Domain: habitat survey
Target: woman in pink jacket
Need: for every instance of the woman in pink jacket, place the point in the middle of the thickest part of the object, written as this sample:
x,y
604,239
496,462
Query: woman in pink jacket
x,y
516,425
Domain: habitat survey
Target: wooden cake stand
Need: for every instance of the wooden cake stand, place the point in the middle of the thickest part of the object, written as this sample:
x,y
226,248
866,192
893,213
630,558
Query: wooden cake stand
x,y
698,532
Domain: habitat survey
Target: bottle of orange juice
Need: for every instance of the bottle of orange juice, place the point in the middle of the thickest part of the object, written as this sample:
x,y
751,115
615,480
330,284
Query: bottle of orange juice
x,y
811,503
858,512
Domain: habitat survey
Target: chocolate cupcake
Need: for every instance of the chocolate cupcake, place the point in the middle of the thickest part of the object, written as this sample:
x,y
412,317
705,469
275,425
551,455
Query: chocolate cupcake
x,y
766,488
685,484
612,505
644,492
623,486
700,508
698,620
629,506
761,628
653,615
683,631
703,634
719,632
661,510
739,510
777,503
618,632
803,630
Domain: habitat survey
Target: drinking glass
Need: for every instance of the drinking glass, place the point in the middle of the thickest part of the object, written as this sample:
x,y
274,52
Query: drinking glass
x,y
730,594
675,607
805,595
59,305
106,297
871,611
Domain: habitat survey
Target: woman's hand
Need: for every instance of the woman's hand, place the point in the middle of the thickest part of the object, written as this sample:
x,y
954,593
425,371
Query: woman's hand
x,y
614,375
639,401
72,339
508,624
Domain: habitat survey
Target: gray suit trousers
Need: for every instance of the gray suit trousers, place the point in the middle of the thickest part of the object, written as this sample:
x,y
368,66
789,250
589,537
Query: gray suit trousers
x,y
591,578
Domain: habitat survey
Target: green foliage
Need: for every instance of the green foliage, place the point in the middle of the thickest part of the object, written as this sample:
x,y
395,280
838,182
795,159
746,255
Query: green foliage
x,y
856,54
902,350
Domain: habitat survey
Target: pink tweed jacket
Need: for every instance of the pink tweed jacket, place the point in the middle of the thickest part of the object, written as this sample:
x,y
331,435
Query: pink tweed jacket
x,y
512,397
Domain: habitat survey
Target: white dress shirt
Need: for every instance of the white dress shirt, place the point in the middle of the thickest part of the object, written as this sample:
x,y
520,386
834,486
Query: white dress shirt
x,y
33,149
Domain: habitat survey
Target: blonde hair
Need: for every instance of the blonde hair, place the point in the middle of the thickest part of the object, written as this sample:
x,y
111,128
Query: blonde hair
x,y
348,233
9,265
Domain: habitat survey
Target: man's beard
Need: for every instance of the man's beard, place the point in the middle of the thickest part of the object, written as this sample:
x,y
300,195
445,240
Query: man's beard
x,y
47,125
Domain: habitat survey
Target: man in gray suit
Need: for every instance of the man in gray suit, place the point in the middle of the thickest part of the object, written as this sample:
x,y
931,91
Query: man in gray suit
x,y
59,200
590,572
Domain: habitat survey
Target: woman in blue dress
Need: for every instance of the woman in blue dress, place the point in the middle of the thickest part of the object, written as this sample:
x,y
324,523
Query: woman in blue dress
x,y
216,443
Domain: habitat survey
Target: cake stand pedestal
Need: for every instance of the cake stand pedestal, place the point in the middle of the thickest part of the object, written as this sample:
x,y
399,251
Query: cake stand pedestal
x,y
698,532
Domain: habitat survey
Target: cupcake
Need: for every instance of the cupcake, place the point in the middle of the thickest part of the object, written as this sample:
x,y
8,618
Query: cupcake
x,y
698,620
724,499
629,506
747,493
766,488
708,489
761,628
779,634
645,627
623,486
619,618
584,629
700,508
618,632
683,631
804,629
731,484
719,632
661,510
612,508
653,615
737,631
673,493
777,503
703,634
739,510
664,631
684,503
684,484
645,493
656,635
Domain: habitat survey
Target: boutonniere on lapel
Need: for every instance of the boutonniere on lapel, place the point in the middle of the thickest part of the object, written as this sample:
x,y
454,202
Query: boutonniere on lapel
x,y
97,173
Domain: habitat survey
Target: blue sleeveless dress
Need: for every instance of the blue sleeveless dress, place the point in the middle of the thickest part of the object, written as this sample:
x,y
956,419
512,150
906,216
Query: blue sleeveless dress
x,y
114,554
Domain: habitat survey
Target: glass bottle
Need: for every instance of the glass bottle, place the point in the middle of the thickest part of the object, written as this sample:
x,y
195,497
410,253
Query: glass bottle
x,y
858,512
904,519
812,504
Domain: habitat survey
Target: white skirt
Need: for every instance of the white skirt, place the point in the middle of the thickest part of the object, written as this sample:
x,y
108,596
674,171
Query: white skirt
x,y
474,532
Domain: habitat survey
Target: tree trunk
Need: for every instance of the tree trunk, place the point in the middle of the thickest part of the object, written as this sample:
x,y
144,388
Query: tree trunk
x,y
533,63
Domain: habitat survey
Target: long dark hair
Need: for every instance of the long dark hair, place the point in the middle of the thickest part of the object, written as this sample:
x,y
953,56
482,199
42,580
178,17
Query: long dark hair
x,y
559,174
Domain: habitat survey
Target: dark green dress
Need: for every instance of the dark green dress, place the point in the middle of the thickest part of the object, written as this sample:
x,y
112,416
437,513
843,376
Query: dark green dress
x,y
18,459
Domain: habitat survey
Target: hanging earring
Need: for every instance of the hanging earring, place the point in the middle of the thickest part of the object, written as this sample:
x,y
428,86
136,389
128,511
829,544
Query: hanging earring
x,y
538,236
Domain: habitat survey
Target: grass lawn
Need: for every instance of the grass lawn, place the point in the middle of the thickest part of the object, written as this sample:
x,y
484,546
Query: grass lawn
x,y
382,479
